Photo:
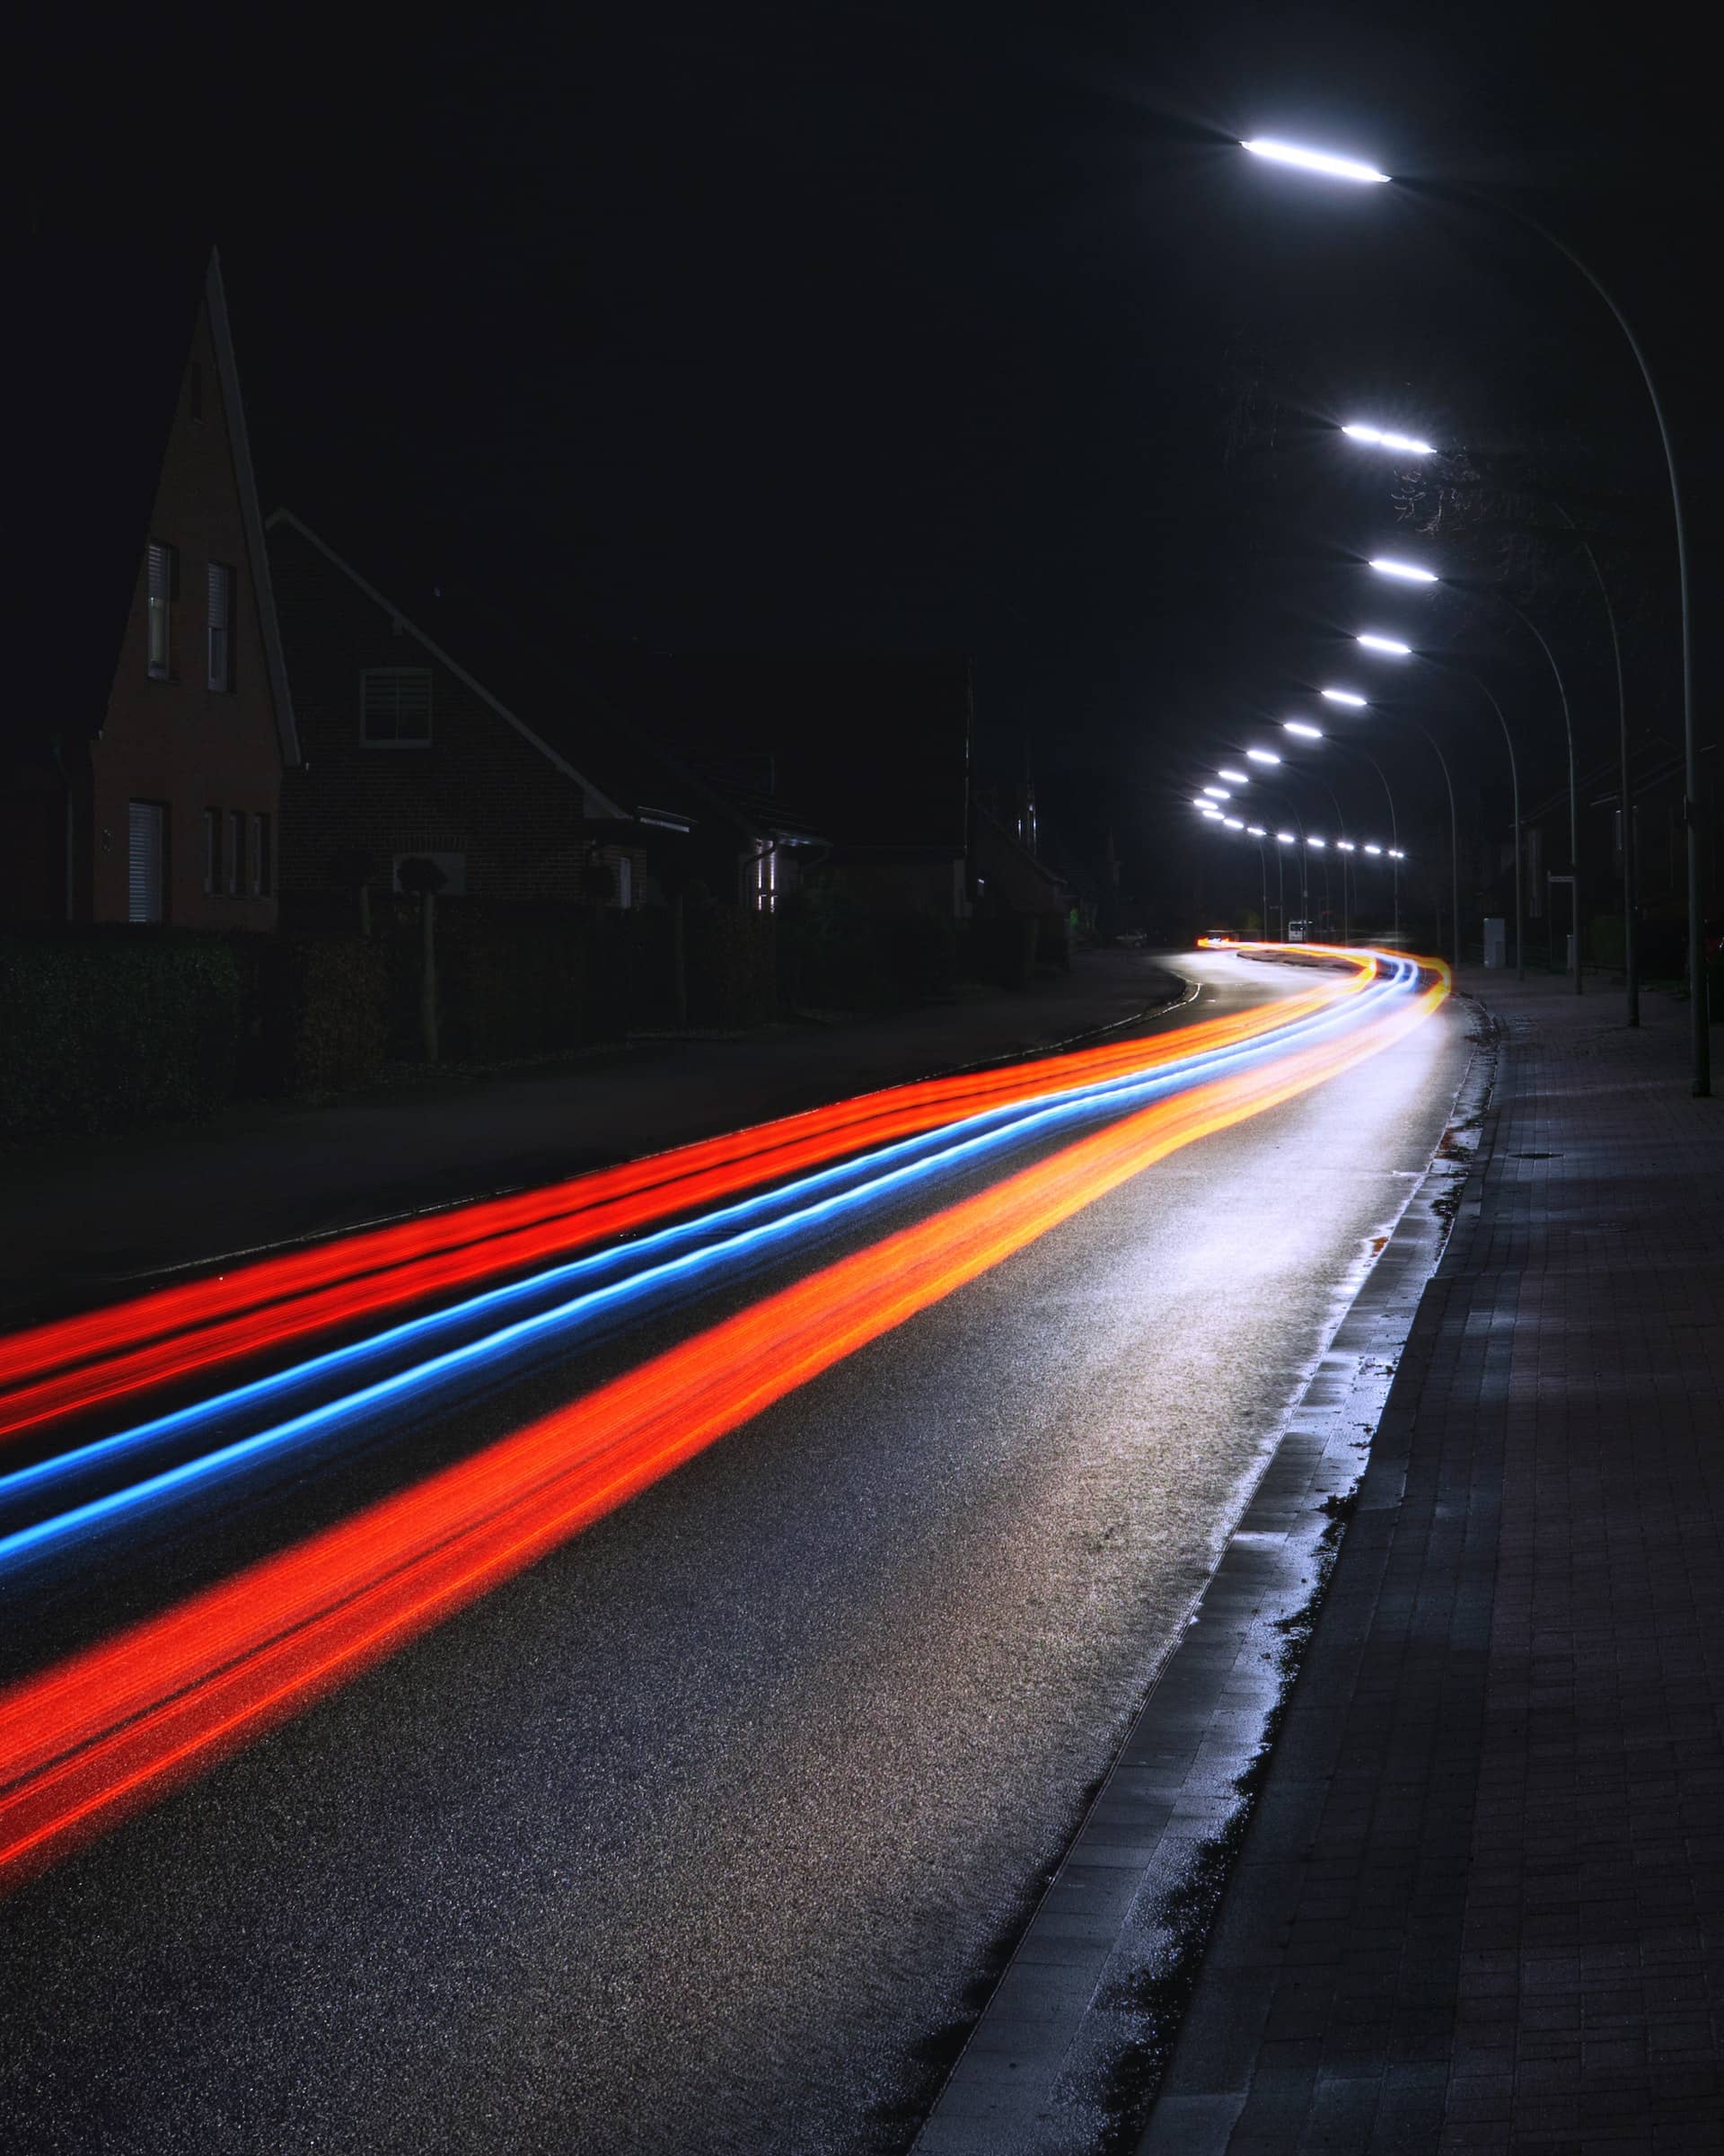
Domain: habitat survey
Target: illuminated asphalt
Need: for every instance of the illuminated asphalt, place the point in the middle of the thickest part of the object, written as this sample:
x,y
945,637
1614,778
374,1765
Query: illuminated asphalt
x,y
697,1836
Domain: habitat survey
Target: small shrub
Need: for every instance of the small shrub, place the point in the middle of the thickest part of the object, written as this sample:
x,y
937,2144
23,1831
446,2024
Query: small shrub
x,y
731,956
1001,949
317,1008
104,1028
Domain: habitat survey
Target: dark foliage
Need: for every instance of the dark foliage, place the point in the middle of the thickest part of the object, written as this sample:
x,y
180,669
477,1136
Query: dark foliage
x,y
104,1028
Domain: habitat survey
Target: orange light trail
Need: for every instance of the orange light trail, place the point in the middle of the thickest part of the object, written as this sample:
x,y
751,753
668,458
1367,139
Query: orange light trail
x,y
75,1364
117,1724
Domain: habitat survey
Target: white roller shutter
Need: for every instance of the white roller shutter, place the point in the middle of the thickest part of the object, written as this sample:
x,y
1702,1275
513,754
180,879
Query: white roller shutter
x,y
145,851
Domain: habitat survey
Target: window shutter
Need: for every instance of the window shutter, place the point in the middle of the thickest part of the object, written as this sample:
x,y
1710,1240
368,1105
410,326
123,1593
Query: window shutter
x,y
144,821
395,703
221,581
159,578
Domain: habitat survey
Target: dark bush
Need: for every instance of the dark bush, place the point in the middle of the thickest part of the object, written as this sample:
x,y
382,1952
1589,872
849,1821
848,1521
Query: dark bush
x,y
102,1028
316,1013
1053,939
1001,949
828,952
731,957
1604,940
919,955
631,972
511,978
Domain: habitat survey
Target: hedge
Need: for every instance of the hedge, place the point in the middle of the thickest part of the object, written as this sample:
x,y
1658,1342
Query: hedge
x,y
102,1028
1001,949
730,965
315,1017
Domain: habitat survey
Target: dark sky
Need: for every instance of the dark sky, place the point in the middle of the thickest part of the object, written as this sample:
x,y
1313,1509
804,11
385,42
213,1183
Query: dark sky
x,y
919,327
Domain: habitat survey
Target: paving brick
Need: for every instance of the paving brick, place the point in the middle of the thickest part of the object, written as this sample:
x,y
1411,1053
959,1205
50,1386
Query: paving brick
x,y
1503,1761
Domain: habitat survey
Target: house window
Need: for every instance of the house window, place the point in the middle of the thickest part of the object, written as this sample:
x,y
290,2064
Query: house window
x,y
395,705
220,595
235,852
212,849
765,876
146,852
625,882
159,603
259,856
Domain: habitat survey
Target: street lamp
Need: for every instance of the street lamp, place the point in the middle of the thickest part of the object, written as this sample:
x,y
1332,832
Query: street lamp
x,y
1386,644
1314,161
1343,696
1533,629
1347,168
1382,439
1298,726
1407,570
1351,748
1263,756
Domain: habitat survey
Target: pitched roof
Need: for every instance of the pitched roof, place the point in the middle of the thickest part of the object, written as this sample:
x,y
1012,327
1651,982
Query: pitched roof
x,y
872,749
109,331
557,698
280,519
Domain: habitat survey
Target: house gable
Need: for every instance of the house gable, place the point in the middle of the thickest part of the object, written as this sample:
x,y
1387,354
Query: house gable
x,y
405,752
197,722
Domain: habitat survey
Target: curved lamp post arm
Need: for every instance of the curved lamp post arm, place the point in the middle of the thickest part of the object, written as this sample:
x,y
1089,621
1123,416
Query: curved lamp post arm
x,y
1454,834
1526,622
1700,1040
1630,956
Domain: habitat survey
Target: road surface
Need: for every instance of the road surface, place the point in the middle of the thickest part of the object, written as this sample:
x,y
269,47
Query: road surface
x,y
703,1832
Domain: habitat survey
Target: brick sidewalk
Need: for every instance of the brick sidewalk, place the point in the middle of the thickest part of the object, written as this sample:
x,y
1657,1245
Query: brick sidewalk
x,y
1480,1904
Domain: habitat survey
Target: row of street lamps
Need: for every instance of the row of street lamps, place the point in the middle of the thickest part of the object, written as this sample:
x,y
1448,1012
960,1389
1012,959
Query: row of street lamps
x,y
1331,166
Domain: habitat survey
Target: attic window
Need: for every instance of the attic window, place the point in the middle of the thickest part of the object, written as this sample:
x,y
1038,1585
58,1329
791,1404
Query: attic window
x,y
221,597
159,583
395,705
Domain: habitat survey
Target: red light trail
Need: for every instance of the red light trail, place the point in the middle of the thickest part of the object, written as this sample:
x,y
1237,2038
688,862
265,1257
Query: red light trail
x,y
74,1364
115,1725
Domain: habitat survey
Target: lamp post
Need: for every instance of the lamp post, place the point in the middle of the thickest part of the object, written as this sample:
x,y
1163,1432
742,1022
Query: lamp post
x,y
1409,573
1352,169
1349,748
1256,831
1406,651
1341,826
1344,696
1405,444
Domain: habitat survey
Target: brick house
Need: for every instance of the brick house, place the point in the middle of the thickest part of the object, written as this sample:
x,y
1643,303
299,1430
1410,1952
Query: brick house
x,y
408,753
448,735
873,750
141,754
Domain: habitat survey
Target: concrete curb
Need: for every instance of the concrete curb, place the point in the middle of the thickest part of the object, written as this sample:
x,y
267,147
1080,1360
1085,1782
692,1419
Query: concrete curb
x,y
1067,2054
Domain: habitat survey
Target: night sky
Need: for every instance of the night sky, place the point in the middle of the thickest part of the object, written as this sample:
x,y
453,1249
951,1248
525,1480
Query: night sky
x,y
929,328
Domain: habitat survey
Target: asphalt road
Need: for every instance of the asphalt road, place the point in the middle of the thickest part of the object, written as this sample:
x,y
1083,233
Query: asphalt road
x,y
700,1836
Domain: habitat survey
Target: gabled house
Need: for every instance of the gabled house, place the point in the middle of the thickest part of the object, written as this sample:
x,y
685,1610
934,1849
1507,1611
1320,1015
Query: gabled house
x,y
142,751
873,750
437,729
412,754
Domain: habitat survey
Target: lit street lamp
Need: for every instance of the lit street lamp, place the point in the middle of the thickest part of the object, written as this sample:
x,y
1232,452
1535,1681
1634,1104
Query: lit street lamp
x,y
1351,169
1502,598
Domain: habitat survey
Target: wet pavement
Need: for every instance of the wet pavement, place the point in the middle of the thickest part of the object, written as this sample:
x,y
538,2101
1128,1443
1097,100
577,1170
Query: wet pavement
x,y
80,1218
708,1833
1480,1904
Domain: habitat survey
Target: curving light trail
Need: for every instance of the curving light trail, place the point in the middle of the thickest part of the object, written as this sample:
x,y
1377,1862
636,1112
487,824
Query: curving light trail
x,y
75,1365
117,1724
655,1271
